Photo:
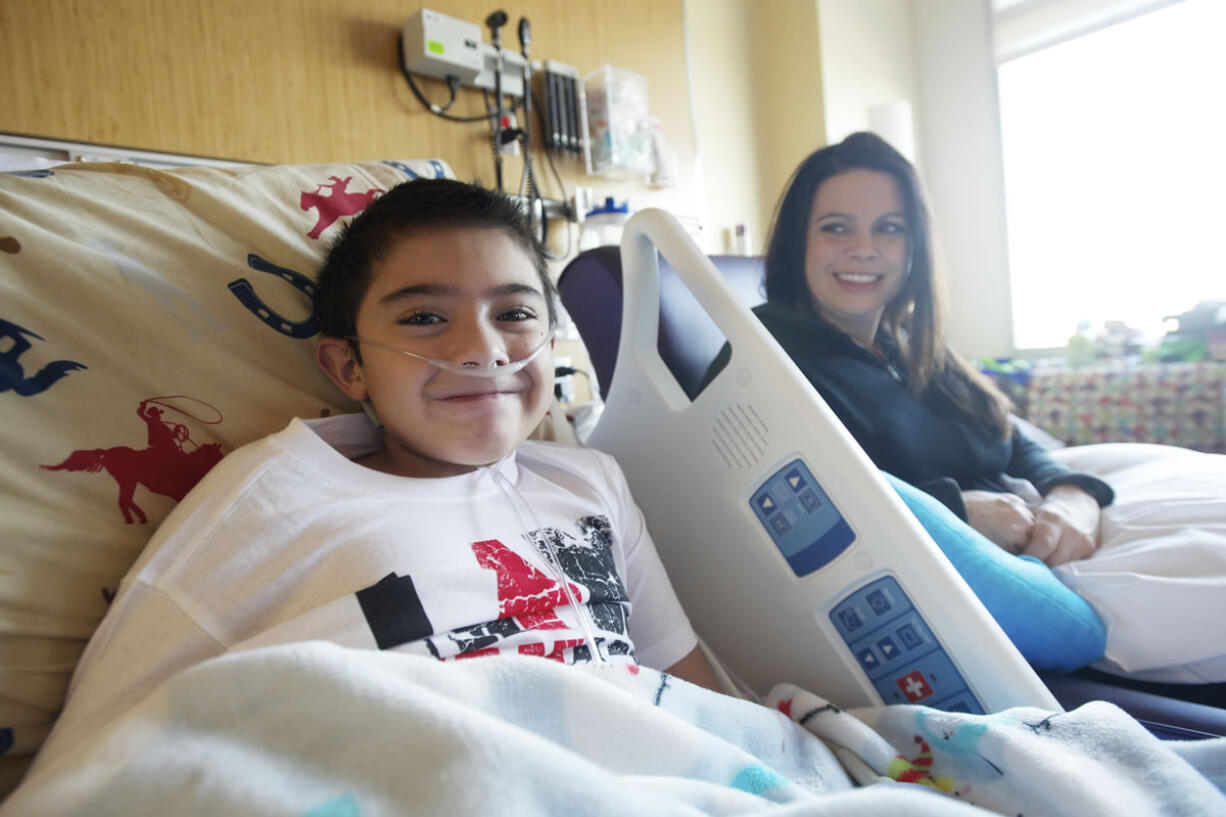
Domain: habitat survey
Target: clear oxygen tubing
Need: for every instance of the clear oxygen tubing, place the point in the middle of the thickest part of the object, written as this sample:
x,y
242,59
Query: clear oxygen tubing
x,y
582,617
469,369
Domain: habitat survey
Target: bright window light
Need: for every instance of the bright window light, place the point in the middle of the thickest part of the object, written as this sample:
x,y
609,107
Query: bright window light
x,y
1115,174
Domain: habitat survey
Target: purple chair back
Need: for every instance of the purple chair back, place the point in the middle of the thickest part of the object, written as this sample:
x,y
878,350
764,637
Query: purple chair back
x,y
591,291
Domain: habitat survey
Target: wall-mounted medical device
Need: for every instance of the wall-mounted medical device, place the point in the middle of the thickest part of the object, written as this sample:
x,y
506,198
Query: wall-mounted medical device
x,y
791,553
439,46
565,110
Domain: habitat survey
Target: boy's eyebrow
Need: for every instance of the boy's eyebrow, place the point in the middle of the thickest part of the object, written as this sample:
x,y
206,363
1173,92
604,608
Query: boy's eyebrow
x,y
838,214
417,289
450,289
516,289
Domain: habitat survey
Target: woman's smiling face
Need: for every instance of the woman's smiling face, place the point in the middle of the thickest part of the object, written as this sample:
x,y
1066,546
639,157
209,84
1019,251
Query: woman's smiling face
x,y
856,257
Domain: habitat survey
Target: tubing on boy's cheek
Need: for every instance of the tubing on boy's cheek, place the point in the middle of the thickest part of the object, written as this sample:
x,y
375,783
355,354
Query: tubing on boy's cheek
x,y
463,369
469,369
473,431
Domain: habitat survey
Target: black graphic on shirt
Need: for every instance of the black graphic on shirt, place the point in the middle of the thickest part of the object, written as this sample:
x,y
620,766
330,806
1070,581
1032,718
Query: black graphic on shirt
x,y
394,612
482,636
590,563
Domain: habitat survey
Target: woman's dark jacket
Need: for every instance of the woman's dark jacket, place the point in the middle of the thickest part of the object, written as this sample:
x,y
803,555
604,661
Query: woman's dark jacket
x,y
925,440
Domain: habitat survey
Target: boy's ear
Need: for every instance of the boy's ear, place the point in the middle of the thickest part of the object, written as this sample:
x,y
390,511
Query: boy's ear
x,y
335,357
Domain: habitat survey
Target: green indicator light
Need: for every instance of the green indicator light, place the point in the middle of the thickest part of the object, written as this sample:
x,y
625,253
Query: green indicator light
x,y
434,47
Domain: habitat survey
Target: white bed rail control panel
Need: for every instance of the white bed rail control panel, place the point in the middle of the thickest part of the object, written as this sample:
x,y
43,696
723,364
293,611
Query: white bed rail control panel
x,y
794,558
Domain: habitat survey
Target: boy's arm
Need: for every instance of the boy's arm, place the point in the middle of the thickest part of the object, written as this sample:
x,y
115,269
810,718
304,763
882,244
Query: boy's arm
x,y
695,669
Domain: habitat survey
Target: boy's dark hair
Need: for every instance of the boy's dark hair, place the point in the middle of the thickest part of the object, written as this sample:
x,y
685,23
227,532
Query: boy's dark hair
x,y
407,208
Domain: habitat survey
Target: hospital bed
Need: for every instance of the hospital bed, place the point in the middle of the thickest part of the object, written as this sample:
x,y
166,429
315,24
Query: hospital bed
x,y
688,340
131,296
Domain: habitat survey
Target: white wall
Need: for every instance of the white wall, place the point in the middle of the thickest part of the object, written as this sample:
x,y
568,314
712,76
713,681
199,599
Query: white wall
x,y
788,81
756,76
721,68
868,60
959,126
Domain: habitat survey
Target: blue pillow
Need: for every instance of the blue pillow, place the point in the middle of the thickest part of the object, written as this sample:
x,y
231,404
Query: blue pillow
x,y
1051,626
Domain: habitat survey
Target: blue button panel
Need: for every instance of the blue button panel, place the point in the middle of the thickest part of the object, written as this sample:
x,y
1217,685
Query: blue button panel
x,y
897,650
800,518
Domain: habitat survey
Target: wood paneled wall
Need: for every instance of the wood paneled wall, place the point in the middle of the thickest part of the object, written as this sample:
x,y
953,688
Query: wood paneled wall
x,y
292,81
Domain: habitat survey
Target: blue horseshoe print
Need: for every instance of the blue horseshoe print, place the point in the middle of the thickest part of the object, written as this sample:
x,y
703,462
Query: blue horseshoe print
x,y
245,292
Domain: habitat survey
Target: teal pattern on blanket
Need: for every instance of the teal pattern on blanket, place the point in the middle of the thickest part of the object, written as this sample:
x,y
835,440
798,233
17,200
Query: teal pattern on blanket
x,y
756,779
346,806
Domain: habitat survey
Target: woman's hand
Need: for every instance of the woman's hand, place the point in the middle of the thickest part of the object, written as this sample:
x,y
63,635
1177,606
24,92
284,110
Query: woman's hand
x,y
1003,518
1065,526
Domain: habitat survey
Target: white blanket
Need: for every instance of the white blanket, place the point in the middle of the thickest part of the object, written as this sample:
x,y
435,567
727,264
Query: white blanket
x,y
1161,567
316,730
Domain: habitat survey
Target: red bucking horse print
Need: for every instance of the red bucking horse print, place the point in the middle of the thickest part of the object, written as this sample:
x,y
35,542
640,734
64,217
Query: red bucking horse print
x,y
339,202
170,465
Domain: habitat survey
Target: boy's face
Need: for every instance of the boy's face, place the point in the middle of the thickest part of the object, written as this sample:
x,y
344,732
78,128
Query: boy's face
x,y
460,294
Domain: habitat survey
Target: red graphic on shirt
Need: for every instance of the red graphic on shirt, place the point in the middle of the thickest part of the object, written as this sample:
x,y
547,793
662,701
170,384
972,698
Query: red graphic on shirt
x,y
171,464
524,592
339,202
527,595
914,686
557,653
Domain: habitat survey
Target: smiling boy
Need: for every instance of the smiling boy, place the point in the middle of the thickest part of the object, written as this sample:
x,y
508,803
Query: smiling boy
x,y
470,295
427,525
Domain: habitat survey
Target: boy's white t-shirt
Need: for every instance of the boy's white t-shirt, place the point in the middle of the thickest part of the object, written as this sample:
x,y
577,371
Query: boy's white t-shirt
x,y
287,539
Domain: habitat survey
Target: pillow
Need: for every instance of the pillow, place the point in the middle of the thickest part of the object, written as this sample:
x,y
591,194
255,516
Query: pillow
x,y
1159,577
1052,627
150,322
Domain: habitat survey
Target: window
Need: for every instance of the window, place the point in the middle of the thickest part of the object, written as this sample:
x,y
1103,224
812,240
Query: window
x,y
1114,149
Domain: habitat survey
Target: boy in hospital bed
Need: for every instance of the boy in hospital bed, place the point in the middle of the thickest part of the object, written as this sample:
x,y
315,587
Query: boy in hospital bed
x,y
429,524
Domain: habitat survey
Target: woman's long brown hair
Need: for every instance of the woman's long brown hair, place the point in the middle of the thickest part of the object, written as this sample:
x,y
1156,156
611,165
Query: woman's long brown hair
x,y
914,320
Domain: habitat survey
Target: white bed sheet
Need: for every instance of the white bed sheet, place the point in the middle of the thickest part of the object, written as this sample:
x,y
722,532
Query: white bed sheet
x,y
1158,579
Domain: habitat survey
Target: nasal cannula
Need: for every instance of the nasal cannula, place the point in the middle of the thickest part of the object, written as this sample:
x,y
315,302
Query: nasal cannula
x,y
470,369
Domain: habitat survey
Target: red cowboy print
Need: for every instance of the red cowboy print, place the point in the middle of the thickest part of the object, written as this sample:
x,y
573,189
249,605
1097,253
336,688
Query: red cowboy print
x,y
339,202
170,464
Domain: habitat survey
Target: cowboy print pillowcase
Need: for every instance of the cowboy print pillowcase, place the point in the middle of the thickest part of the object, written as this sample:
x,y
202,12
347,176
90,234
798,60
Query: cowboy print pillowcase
x,y
150,322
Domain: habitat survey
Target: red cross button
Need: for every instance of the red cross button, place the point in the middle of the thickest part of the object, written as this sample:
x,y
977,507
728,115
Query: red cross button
x,y
914,686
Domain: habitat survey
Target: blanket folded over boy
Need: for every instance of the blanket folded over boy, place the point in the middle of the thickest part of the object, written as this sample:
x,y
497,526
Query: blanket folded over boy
x,y
317,730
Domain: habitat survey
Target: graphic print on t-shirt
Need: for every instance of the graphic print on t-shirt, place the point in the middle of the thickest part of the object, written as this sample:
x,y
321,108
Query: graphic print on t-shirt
x,y
528,599
590,562
393,611
524,592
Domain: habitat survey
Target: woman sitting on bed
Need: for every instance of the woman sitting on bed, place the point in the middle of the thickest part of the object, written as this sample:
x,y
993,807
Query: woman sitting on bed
x,y
853,297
